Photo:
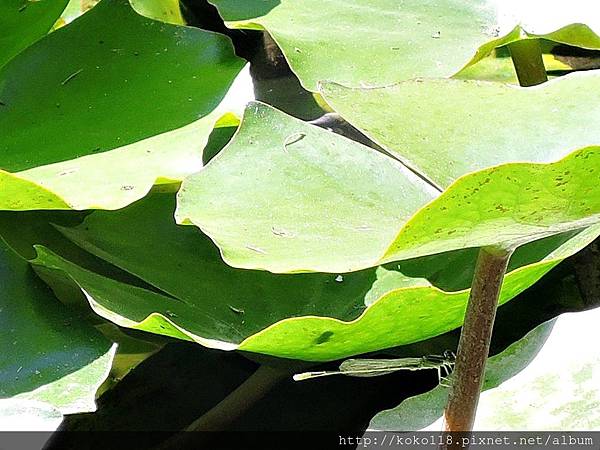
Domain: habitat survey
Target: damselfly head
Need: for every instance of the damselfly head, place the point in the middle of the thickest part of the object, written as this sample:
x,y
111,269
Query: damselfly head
x,y
449,355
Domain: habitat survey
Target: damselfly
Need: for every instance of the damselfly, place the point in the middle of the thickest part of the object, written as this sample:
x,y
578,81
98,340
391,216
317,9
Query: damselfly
x,y
443,363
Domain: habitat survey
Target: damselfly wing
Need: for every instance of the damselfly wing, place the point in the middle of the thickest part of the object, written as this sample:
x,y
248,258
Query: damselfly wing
x,y
375,367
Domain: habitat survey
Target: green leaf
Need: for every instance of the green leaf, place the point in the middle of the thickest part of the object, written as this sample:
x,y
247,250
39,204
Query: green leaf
x,y
324,41
499,67
554,367
319,202
23,22
444,129
131,351
131,107
18,193
191,294
193,288
506,205
123,175
73,10
378,42
405,311
312,194
49,353
164,10
576,35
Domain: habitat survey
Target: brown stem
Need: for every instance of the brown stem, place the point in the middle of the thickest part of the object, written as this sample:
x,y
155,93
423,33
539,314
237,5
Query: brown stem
x,y
476,334
229,409
475,337
240,400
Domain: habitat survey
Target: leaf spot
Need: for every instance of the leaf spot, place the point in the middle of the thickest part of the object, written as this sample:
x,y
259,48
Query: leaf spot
x,y
324,337
236,310
281,232
67,172
256,249
292,139
70,77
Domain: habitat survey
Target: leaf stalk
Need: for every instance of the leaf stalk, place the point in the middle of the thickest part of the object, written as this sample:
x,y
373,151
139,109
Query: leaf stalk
x,y
474,344
527,58
231,408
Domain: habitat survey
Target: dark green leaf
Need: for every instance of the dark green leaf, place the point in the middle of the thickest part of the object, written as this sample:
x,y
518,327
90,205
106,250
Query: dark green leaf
x,y
98,111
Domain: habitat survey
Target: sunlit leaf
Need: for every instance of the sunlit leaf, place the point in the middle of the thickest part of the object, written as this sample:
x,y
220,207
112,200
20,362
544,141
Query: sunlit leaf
x,y
378,42
23,22
101,109
444,129
319,202
195,296
164,10
49,353
313,189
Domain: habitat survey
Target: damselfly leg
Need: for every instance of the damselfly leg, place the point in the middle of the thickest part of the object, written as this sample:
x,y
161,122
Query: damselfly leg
x,y
447,366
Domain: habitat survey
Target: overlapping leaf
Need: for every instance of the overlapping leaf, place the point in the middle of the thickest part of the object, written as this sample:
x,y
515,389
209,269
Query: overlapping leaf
x,y
378,42
404,311
98,111
545,381
506,206
499,67
49,354
191,294
318,202
444,129
164,10
24,22
314,193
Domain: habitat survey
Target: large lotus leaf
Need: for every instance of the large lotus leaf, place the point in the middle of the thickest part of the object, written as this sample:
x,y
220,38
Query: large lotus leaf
x,y
377,42
312,187
329,40
405,311
319,202
193,295
113,179
548,380
23,22
506,206
446,128
110,80
49,354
